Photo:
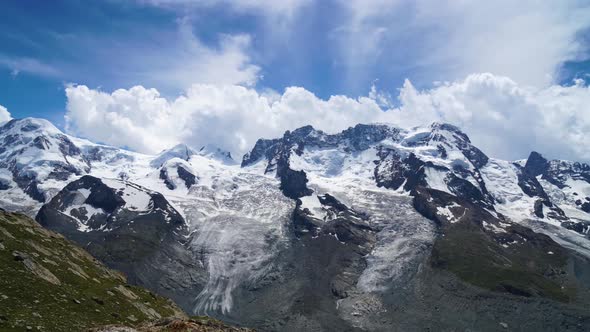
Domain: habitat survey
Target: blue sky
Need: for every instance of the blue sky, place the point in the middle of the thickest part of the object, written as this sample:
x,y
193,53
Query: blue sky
x,y
354,49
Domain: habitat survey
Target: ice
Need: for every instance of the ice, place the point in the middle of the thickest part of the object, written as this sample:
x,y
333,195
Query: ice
x,y
135,197
313,205
87,211
501,180
436,179
445,211
238,224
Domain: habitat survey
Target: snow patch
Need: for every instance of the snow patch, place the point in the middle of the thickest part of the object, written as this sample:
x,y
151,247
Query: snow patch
x,y
314,206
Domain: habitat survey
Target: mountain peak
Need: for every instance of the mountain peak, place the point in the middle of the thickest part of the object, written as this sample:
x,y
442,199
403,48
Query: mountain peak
x,y
536,164
302,132
443,126
26,125
181,151
213,152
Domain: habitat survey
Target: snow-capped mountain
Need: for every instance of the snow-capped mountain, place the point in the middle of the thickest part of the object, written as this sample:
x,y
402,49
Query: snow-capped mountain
x,y
350,228
36,157
439,157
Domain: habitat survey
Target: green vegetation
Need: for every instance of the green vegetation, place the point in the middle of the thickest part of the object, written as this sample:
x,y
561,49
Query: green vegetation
x,y
47,283
532,267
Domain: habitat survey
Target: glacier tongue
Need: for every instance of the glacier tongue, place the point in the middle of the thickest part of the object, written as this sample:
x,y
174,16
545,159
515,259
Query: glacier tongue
x,y
238,224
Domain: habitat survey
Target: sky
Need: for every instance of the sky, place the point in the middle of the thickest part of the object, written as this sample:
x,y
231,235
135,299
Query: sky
x,y
148,74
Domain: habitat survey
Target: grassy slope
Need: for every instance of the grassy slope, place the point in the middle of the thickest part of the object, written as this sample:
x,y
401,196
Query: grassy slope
x,y
87,293
521,270
516,261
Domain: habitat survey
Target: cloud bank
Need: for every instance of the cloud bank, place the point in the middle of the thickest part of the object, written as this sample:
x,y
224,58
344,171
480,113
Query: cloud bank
x,y
229,116
4,114
447,40
503,118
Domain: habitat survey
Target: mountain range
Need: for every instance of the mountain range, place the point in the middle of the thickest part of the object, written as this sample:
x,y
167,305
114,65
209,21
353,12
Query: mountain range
x,y
373,228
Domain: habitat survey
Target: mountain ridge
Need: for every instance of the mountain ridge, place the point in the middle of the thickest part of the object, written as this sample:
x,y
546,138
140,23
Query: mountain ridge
x,y
337,221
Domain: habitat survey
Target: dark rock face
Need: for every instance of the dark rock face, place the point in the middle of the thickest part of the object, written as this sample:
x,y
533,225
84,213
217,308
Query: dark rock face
x,y
148,246
466,190
536,164
528,182
67,147
580,227
391,172
188,177
461,140
167,182
303,224
101,196
41,143
348,225
357,138
262,149
556,171
539,208
29,185
293,183
361,137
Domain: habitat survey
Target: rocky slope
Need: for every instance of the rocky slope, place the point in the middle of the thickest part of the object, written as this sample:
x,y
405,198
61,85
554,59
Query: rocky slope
x,y
373,228
194,324
129,228
49,284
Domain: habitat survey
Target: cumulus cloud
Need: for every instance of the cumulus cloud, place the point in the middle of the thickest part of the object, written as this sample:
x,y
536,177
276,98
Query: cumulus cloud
x,y
4,114
229,116
503,118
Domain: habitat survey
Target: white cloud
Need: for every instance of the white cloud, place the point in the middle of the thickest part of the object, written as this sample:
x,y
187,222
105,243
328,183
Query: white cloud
x,y
189,61
525,40
4,114
504,119
28,65
231,117
284,7
170,58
